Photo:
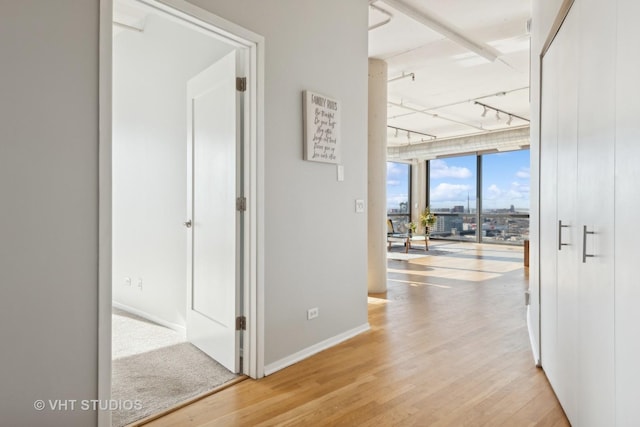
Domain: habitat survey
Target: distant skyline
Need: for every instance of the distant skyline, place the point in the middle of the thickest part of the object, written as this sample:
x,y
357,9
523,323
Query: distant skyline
x,y
505,181
397,184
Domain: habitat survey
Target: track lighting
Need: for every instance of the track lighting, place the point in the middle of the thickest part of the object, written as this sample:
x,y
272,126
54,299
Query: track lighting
x,y
403,76
410,133
511,116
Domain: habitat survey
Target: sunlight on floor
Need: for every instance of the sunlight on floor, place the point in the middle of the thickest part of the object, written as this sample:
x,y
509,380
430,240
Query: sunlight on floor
x,y
471,262
419,284
377,301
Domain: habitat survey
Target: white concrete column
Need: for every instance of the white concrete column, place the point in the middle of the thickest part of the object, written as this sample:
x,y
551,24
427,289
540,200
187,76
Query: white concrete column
x,y
418,190
377,173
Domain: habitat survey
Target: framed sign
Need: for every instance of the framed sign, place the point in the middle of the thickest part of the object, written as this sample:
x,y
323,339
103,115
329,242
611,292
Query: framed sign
x,y
321,117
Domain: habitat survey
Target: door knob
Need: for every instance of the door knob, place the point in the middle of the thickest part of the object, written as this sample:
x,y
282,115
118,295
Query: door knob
x,y
187,224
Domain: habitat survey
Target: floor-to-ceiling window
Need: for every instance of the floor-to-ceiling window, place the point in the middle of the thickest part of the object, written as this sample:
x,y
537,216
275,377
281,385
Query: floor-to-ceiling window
x,y
483,198
452,197
399,194
505,196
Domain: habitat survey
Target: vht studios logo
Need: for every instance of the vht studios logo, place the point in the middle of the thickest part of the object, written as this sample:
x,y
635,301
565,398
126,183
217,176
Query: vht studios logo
x,y
86,405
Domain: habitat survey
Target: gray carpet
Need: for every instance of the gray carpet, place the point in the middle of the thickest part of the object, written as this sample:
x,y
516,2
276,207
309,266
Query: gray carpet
x,y
154,366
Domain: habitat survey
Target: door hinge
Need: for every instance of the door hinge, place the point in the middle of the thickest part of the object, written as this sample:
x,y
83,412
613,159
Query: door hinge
x,y
241,323
241,204
241,84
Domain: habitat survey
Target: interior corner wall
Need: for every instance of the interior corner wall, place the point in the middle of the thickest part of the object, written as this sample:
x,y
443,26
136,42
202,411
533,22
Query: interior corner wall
x,y
48,210
315,244
150,74
544,13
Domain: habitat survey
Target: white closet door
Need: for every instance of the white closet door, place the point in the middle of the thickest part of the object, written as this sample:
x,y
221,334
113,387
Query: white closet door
x,y
627,208
595,210
568,241
548,217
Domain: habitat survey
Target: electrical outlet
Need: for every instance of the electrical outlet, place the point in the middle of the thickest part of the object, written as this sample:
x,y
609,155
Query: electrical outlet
x,y
312,313
127,281
359,206
140,283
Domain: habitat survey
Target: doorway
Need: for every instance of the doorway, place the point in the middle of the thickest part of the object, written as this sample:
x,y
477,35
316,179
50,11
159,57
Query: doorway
x,y
157,49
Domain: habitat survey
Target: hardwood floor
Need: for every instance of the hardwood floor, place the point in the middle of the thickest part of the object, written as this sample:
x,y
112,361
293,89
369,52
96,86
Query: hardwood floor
x,y
448,346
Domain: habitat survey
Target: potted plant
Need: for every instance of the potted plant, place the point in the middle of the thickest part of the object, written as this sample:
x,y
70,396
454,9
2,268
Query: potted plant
x,y
412,226
427,220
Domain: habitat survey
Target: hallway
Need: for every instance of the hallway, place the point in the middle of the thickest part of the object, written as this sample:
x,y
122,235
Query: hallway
x,y
448,346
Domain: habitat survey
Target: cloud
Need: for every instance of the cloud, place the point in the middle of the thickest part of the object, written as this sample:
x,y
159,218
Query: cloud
x,y
440,169
450,192
517,191
523,173
519,188
493,192
396,169
393,182
393,201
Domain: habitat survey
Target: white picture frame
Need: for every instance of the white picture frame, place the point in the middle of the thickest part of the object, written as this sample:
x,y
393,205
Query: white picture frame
x,y
321,118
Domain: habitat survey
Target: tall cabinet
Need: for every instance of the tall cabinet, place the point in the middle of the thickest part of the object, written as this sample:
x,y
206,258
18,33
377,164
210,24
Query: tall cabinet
x,y
627,208
589,154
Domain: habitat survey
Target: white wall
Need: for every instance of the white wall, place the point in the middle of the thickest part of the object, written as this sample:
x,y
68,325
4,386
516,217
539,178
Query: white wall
x,y
150,73
315,244
48,209
543,15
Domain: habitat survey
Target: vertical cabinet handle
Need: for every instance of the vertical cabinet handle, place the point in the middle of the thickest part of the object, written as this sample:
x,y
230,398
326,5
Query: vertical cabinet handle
x,y
584,244
560,227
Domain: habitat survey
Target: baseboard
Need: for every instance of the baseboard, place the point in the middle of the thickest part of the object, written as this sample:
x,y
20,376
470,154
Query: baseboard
x,y
536,357
316,348
178,328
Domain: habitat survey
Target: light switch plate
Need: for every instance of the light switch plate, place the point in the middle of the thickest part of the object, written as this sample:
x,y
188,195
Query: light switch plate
x,y
359,206
340,170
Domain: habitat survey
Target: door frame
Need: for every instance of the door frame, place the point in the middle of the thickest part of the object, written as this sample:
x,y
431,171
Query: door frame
x,y
253,295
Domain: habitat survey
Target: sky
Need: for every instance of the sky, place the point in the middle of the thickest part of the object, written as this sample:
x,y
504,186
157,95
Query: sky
x,y
505,181
397,184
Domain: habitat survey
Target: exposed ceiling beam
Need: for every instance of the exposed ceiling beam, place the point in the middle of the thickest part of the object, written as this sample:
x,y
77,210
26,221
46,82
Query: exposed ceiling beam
x,y
502,140
446,29
435,116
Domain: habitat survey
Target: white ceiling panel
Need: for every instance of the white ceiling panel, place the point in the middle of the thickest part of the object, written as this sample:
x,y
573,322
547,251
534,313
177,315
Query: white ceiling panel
x,y
449,76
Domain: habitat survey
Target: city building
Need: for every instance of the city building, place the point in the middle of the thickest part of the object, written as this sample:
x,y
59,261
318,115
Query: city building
x,y
56,181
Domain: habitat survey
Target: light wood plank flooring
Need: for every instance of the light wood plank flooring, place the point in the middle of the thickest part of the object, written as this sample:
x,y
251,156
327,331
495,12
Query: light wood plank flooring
x,y
448,346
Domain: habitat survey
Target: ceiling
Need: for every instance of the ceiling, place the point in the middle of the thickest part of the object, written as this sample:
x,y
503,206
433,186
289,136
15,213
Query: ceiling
x,y
444,57
430,42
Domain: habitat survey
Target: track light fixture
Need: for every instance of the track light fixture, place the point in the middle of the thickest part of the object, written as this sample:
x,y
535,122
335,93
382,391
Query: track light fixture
x,y
403,76
411,133
511,116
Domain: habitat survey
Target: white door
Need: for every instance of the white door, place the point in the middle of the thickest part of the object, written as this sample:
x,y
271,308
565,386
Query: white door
x,y
627,290
548,217
569,232
214,236
595,201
